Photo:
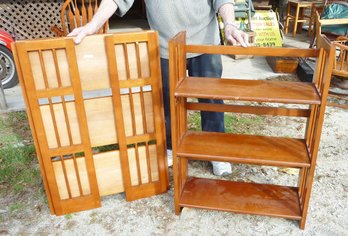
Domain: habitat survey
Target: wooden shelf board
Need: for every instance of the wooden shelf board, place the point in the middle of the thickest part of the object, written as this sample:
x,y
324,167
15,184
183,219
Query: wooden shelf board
x,y
247,149
249,90
247,198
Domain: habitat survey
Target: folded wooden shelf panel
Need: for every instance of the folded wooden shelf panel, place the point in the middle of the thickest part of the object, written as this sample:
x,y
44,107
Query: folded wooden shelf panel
x,y
253,198
96,115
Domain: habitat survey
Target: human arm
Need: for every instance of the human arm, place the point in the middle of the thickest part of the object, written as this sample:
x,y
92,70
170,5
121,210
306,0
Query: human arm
x,y
232,33
106,9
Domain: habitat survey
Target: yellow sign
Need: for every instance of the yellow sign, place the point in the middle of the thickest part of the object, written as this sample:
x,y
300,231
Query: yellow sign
x,y
265,25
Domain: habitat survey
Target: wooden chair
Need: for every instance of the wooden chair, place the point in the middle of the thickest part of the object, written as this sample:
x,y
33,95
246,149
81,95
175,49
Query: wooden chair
x,y
341,63
299,17
322,22
340,67
75,14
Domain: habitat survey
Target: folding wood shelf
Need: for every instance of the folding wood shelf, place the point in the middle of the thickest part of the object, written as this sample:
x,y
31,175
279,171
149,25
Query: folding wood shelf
x,y
104,94
251,198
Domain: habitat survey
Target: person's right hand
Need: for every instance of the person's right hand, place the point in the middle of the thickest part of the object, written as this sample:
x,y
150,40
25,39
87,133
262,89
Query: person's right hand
x,y
81,32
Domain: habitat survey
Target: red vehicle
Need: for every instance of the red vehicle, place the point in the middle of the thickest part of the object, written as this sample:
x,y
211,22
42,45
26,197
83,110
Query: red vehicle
x,y
8,74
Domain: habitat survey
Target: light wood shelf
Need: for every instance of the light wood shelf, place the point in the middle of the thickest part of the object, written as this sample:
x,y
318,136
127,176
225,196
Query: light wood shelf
x,y
249,90
247,149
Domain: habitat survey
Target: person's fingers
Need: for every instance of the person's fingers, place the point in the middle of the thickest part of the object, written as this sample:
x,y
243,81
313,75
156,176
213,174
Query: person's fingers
x,y
231,39
75,32
246,39
82,34
238,37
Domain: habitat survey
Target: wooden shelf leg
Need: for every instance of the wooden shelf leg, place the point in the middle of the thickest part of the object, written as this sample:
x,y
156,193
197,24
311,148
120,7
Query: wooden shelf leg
x,y
177,188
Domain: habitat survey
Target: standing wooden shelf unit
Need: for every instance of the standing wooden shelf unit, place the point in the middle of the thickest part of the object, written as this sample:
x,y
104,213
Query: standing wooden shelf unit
x,y
251,198
96,115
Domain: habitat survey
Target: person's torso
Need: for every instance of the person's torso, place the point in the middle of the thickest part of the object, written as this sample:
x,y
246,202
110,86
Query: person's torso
x,y
196,17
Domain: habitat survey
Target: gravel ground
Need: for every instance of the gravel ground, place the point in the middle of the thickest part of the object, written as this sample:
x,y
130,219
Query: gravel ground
x,y
328,209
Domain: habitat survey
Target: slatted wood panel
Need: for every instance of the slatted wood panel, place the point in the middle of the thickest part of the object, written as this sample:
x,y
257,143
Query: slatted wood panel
x,y
97,133
29,19
128,72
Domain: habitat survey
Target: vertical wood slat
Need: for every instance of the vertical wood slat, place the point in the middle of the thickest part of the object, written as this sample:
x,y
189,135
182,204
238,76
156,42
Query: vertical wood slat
x,y
62,98
131,101
181,110
89,11
77,14
174,74
140,182
143,115
72,23
131,105
65,176
158,107
84,13
77,173
53,116
119,123
81,114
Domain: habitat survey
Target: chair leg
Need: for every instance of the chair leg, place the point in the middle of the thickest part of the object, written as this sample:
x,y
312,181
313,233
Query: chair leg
x,y
287,19
296,21
300,24
311,22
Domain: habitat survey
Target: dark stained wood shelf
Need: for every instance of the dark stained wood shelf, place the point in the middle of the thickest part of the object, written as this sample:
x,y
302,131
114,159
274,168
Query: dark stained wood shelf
x,y
247,149
249,90
248,198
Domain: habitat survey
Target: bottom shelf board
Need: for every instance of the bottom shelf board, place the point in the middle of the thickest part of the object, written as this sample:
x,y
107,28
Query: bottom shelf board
x,y
239,197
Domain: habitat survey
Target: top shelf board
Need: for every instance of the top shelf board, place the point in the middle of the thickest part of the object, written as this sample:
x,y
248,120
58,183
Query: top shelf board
x,y
249,90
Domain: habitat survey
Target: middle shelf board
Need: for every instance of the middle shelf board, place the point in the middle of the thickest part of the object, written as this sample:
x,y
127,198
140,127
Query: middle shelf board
x,y
248,149
249,90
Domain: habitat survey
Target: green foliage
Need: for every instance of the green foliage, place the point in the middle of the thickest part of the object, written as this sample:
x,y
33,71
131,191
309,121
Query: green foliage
x,y
16,207
68,216
234,123
194,121
16,167
18,163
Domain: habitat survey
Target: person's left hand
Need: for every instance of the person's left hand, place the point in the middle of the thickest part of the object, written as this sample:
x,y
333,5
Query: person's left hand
x,y
235,36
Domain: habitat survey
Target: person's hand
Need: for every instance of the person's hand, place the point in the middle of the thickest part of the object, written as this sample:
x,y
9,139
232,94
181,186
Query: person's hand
x,y
235,36
81,32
